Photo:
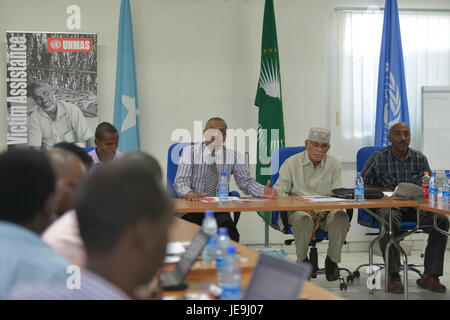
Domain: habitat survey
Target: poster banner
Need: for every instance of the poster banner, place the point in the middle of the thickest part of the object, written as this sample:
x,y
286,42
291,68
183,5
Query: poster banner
x,y
51,83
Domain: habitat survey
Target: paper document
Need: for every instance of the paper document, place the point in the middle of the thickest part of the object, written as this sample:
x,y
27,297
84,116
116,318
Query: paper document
x,y
250,199
175,247
232,199
318,199
216,199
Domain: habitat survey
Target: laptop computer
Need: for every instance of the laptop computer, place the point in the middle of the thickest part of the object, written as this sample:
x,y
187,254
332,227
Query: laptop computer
x,y
174,280
276,279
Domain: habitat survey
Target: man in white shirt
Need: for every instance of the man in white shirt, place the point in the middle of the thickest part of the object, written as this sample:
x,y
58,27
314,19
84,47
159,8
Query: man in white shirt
x,y
205,161
55,121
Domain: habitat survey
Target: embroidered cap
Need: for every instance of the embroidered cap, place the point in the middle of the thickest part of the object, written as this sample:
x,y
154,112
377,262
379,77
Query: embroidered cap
x,y
319,134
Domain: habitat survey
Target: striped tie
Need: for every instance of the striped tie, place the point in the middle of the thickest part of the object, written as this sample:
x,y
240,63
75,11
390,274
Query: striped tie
x,y
210,186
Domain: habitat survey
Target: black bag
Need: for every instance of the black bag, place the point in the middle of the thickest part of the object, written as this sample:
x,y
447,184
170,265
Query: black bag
x,y
347,193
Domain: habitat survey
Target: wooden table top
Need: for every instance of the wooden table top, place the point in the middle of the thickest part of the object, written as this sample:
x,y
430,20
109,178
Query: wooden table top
x,y
182,230
285,204
199,285
438,207
202,274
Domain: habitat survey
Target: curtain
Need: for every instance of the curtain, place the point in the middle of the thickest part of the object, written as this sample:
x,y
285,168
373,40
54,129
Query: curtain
x,y
426,52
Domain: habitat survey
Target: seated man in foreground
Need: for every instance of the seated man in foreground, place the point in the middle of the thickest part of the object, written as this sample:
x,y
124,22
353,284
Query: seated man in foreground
x,y
124,235
313,172
27,208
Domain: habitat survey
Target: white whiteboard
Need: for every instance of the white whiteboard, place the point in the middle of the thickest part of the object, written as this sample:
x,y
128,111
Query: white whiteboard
x,y
436,126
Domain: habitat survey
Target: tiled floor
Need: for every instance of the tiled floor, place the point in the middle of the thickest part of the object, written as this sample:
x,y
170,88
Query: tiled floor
x,y
359,291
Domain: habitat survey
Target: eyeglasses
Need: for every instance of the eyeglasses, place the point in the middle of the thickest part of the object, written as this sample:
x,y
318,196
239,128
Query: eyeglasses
x,y
315,144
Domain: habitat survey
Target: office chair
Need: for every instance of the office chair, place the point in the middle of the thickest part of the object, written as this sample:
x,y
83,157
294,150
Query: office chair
x,y
88,149
173,159
278,157
365,219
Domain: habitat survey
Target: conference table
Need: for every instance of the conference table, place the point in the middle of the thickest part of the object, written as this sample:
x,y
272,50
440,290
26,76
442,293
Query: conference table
x,y
437,208
294,204
203,274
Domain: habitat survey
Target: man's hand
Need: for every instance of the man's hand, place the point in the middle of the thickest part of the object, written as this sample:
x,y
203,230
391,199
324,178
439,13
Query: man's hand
x,y
192,196
150,291
270,193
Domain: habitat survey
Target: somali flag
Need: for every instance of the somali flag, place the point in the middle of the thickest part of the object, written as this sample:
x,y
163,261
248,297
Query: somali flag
x,y
392,104
126,108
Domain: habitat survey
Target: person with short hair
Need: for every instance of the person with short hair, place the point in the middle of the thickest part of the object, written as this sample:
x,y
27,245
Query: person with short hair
x,y
62,235
308,173
79,152
384,170
107,142
70,172
125,235
199,171
27,204
55,120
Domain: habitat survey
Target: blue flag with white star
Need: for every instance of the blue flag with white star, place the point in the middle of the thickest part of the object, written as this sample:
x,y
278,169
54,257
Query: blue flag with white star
x,y
392,104
126,108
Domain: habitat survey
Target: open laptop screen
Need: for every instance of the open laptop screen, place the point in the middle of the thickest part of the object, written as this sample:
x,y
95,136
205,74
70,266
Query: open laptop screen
x,y
192,253
276,279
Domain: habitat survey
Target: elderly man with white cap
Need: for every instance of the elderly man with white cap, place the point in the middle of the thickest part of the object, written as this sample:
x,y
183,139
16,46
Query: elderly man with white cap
x,y
308,173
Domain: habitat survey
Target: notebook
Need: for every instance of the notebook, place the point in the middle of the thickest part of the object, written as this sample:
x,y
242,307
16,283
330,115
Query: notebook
x,y
277,279
174,280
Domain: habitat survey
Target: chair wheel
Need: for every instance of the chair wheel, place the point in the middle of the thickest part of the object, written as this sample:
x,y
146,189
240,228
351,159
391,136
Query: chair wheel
x,y
350,279
356,274
343,286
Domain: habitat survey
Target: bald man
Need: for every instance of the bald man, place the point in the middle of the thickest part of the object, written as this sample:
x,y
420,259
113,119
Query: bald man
x,y
70,173
384,170
64,235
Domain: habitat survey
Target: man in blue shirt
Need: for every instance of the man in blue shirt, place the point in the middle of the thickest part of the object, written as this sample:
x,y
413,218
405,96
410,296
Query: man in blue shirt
x,y
27,205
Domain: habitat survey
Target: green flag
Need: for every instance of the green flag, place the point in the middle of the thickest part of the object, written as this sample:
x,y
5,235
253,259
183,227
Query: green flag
x,y
268,99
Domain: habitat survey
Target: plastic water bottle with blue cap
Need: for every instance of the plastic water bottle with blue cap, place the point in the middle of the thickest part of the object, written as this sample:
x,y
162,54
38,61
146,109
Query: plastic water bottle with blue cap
x,y
433,189
231,285
209,226
446,189
359,188
222,244
224,188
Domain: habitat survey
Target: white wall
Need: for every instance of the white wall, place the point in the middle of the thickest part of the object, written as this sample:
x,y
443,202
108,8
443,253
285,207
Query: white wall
x,y
200,58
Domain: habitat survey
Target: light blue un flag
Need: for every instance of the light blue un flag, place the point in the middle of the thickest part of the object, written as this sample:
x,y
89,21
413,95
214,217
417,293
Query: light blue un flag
x,y
392,104
126,108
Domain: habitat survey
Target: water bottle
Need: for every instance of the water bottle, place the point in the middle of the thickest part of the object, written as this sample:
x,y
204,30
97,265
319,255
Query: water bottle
x,y
231,285
426,184
223,188
433,189
222,244
359,188
446,189
209,226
